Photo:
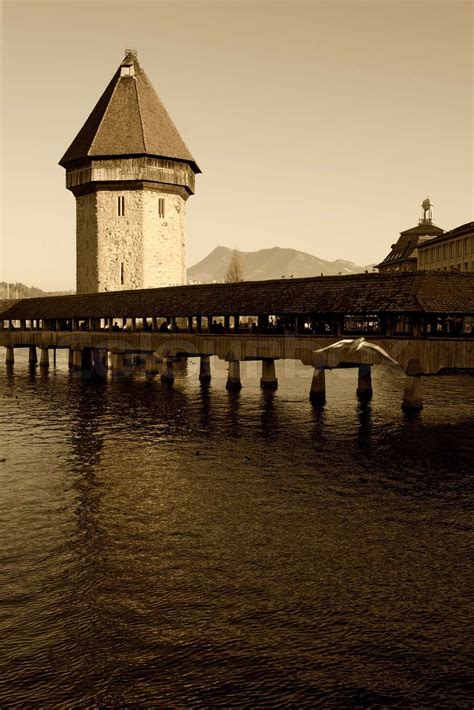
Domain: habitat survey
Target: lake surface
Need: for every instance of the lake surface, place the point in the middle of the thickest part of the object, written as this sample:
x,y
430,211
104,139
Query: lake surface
x,y
193,548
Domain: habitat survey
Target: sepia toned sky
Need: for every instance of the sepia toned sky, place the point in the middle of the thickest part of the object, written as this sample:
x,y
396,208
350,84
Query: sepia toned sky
x,y
318,125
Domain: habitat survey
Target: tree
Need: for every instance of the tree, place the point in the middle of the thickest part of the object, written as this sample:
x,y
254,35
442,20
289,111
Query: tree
x,y
235,271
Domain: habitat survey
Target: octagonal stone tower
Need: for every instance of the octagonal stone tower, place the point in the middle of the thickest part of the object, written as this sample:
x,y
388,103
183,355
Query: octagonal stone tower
x,y
131,175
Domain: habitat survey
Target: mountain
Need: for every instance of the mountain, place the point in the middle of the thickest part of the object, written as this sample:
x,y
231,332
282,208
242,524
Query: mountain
x,y
272,263
18,290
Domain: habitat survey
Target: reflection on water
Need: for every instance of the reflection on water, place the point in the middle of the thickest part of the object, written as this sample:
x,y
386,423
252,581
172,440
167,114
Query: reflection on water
x,y
189,547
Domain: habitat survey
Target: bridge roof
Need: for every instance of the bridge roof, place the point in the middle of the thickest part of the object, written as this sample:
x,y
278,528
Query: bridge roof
x,y
417,292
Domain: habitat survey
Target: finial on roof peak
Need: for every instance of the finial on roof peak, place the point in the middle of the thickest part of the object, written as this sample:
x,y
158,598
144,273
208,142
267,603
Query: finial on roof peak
x,y
130,63
427,212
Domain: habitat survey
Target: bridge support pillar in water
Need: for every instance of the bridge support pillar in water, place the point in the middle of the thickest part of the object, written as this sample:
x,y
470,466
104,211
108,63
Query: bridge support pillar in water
x,y
70,358
76,359
412,396
233,377
364,383
32,356
167,371
152,366
99,361
317,393
10,356
86,358
117,362
180,362
269,378
44,358
205,368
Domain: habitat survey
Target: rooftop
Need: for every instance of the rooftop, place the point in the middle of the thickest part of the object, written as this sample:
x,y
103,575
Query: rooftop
x,y
417,291
462,231
128,120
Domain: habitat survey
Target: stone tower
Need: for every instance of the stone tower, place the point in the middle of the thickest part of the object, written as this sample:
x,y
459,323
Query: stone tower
x,y
131,175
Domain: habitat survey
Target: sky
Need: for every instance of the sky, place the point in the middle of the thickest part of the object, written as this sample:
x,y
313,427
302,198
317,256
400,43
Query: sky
x,y
319,126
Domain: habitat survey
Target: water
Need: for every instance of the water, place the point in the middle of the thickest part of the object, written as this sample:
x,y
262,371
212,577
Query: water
x,y
188,548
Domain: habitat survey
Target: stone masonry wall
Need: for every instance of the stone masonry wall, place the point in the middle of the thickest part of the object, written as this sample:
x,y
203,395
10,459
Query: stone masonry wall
x,y
150,247
86,243
120,240
164,243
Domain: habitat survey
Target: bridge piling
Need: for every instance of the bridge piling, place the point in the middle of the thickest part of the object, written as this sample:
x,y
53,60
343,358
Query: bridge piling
x,y
233,377
117,362
10,357
412,395
77,360
44,358
180,362
269,379
167,373
32,356
87,358
98,361
152,367
205,369
364,383
317,393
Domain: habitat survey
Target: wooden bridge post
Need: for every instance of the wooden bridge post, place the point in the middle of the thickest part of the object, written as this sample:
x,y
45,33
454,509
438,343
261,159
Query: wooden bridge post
x,y
86,358
233,377
205,369
151,365
364,383
412,397
317,393
99,358
269,378
44,358
32,356
167,372
180,362
117,362
10,357
77,359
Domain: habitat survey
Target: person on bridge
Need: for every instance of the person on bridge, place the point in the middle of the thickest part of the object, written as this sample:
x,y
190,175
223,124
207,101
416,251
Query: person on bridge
x,y
115,327
164,327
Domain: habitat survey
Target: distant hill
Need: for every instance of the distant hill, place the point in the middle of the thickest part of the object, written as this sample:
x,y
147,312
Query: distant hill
x,y
272,263
259,265
18,290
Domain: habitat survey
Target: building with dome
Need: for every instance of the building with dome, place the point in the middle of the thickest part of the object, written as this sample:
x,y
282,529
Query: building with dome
x,y
131,174
403,255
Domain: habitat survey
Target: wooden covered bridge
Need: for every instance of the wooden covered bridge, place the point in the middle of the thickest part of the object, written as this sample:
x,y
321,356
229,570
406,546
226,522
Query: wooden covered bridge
x,y
422,320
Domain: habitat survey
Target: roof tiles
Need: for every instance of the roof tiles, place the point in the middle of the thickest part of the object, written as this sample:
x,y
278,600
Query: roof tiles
x,y
128,119
417,291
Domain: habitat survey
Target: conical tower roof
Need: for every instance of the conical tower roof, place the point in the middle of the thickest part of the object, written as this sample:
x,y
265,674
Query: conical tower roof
x,y
128,119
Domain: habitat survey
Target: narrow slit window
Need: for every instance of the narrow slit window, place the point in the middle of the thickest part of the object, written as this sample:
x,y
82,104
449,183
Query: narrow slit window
x,y
161,207
122,274
121,205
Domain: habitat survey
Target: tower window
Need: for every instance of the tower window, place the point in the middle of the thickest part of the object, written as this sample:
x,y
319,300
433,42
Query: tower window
x,y
127,70
120,205
122,274
161,207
